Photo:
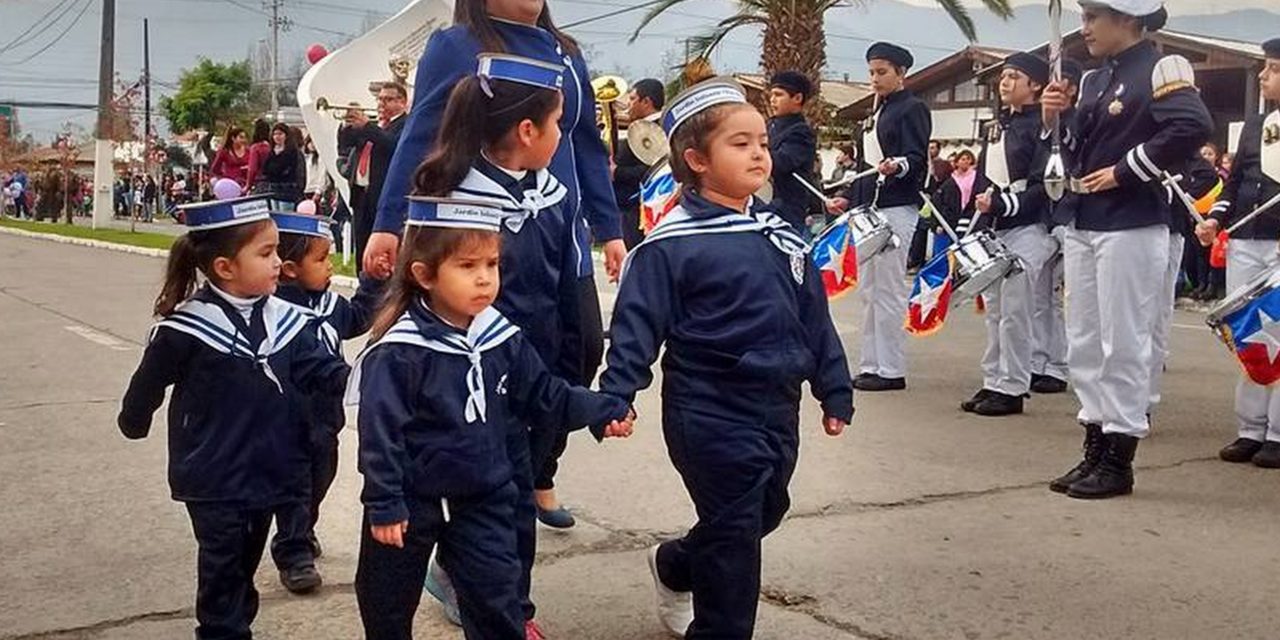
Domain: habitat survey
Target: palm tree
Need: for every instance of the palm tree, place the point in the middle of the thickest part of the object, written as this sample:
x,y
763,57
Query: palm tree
x,y
793,33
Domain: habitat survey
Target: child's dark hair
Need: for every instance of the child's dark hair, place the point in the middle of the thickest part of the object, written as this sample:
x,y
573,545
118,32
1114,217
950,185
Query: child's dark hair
x,y
431,246
295,246
695,133
193,253
473,120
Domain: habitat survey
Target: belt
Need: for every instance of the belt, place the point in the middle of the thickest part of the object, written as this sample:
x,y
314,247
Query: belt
x,y
1076,185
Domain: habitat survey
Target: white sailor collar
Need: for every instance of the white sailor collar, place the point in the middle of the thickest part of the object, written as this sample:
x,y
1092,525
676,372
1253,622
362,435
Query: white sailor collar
x,y
477,186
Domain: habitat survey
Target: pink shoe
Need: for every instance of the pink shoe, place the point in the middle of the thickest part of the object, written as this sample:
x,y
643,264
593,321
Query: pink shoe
x,y
532,631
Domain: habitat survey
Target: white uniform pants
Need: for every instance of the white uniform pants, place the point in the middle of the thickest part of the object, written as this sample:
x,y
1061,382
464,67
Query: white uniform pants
x,y
884,290
1114,279
1164,316
1006,364
1257,407
1048,325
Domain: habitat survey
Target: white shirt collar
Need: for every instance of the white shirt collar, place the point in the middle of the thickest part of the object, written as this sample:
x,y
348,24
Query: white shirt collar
x,y
243,305
517,174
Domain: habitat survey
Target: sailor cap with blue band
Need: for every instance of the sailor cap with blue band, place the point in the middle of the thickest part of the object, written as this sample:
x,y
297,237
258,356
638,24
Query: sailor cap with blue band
x,y
302,223
535,73
700,97
453,213
1138,8
216,214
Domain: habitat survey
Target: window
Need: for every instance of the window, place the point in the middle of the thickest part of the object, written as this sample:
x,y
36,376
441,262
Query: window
x,y
967,91
942,97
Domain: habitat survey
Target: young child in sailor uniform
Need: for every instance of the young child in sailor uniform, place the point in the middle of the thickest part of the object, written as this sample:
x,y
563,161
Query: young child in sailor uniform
x,y
238,360
305,274
441,386
732,293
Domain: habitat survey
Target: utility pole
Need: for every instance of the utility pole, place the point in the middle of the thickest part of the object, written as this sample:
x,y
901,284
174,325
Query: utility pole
x,y
103,152
277,23
146,92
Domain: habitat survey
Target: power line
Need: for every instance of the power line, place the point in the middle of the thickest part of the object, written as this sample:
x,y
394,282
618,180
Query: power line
x,y
610,14
20,38
83,8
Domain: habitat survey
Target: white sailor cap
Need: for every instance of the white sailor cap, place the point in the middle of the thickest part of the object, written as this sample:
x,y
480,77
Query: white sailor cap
x,y
453,213
216,214
700,97
304,224
1138,8
536,73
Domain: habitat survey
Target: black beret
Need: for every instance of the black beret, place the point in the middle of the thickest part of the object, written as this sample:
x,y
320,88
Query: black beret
x,y
1073,71
792,82
892,53
1035,67
1272,48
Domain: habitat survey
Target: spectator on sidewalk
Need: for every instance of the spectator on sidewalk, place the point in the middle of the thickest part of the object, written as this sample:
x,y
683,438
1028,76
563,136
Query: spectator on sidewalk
x,y
232,160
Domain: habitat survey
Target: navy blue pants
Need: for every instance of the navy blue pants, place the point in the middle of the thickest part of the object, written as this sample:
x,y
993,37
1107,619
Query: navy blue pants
x,y
230,541
477,548
526,519
291,547
736,468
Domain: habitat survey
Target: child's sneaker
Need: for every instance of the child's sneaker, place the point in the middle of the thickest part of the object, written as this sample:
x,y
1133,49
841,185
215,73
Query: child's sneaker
x,y
532,631
300,580
441,588
675,609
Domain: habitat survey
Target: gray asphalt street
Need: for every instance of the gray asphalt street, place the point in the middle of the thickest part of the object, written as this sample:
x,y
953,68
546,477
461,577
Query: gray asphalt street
x,y
920,523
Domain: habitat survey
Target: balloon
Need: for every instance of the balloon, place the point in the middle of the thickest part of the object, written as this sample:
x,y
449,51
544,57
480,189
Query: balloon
x,y
307,207
226,189
316,52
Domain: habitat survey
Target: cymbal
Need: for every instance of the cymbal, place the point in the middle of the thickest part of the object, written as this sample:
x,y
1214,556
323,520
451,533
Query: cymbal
x,y
647,141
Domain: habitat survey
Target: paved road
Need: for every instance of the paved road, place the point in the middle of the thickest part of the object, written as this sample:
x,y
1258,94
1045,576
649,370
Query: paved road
x,y
920,523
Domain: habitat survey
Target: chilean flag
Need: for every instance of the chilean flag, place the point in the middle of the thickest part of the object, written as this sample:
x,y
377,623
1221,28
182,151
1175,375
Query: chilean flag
x,y
836,256
1253,332
657,197
930,297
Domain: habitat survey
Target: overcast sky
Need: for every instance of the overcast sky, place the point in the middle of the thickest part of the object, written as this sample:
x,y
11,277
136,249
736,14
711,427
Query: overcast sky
x,y
57,59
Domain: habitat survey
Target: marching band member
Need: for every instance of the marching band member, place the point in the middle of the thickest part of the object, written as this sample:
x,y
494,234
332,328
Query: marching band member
x,y
733,294
792,145
239,361
1138,113
1016,207
1048,325
644,103
898,145
445,381
1255,178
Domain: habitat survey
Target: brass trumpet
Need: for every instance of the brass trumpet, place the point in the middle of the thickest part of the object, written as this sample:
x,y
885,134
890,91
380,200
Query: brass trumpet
x,y
608,89
340,113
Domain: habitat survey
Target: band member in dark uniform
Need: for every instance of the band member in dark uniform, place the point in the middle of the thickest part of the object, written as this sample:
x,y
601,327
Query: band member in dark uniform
x,y
645,101
793,146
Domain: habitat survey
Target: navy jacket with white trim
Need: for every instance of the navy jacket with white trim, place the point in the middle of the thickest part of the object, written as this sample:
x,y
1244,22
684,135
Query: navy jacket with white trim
x,y
1248,187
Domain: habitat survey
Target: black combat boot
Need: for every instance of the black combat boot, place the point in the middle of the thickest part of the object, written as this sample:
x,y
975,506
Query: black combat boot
x,y
1047,384
1114,474
968,405
1268,456
1242,450
1094,445
999,404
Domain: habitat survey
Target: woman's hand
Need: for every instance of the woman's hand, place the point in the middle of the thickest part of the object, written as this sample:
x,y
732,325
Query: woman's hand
x,y
380,254
391,535
615,251
834,426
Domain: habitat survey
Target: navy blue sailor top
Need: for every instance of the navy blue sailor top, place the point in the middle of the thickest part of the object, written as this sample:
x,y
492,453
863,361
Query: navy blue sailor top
x,y
1020,198
437,404
1141,113
733,308
235,430
1249,186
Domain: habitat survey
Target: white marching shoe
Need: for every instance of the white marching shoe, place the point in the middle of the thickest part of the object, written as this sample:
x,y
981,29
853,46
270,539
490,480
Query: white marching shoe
x,y
675,608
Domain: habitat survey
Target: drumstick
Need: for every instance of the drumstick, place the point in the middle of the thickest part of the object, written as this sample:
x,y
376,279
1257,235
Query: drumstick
x,y
1190,205
937,214
1256,212
812,189
851,179
973,224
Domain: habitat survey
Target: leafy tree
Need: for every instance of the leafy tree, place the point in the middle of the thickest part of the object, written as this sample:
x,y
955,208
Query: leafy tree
x,y
210,96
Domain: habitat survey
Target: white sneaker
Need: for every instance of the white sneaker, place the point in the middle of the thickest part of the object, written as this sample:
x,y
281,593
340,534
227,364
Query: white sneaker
x,y
675,608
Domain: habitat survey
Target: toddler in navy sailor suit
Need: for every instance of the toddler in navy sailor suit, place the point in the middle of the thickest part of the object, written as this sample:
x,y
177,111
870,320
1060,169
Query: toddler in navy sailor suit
x,y
305,245
238,360
735,297
439,388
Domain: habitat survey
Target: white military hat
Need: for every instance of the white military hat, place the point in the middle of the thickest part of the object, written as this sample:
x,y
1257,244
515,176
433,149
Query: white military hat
x,y
1137,8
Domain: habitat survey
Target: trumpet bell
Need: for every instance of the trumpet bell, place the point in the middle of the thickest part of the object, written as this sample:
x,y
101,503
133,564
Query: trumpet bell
x,y
647,141
609,88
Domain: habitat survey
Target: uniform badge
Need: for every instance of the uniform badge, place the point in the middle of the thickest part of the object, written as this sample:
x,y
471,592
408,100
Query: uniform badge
x,y
994,132
1116,107
797,267
501,389
1271,134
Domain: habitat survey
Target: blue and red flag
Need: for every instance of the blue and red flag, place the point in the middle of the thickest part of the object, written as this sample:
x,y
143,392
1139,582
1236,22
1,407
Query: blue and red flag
x,y
930,297
836,256
658,196
1253,332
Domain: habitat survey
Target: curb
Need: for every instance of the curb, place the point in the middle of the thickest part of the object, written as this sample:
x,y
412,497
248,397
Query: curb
x,y
346,282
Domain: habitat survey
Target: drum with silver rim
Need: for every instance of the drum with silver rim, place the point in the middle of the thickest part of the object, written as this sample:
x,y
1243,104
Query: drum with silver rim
x,y
982,260
1221,313
871,232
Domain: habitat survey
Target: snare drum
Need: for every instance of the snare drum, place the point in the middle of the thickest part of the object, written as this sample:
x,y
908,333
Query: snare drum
x,y
1222,313
982,260
871,232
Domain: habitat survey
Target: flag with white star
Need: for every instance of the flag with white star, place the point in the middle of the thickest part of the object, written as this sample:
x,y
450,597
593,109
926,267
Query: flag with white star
x,y
835,253
1253,332
659,194
930,297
